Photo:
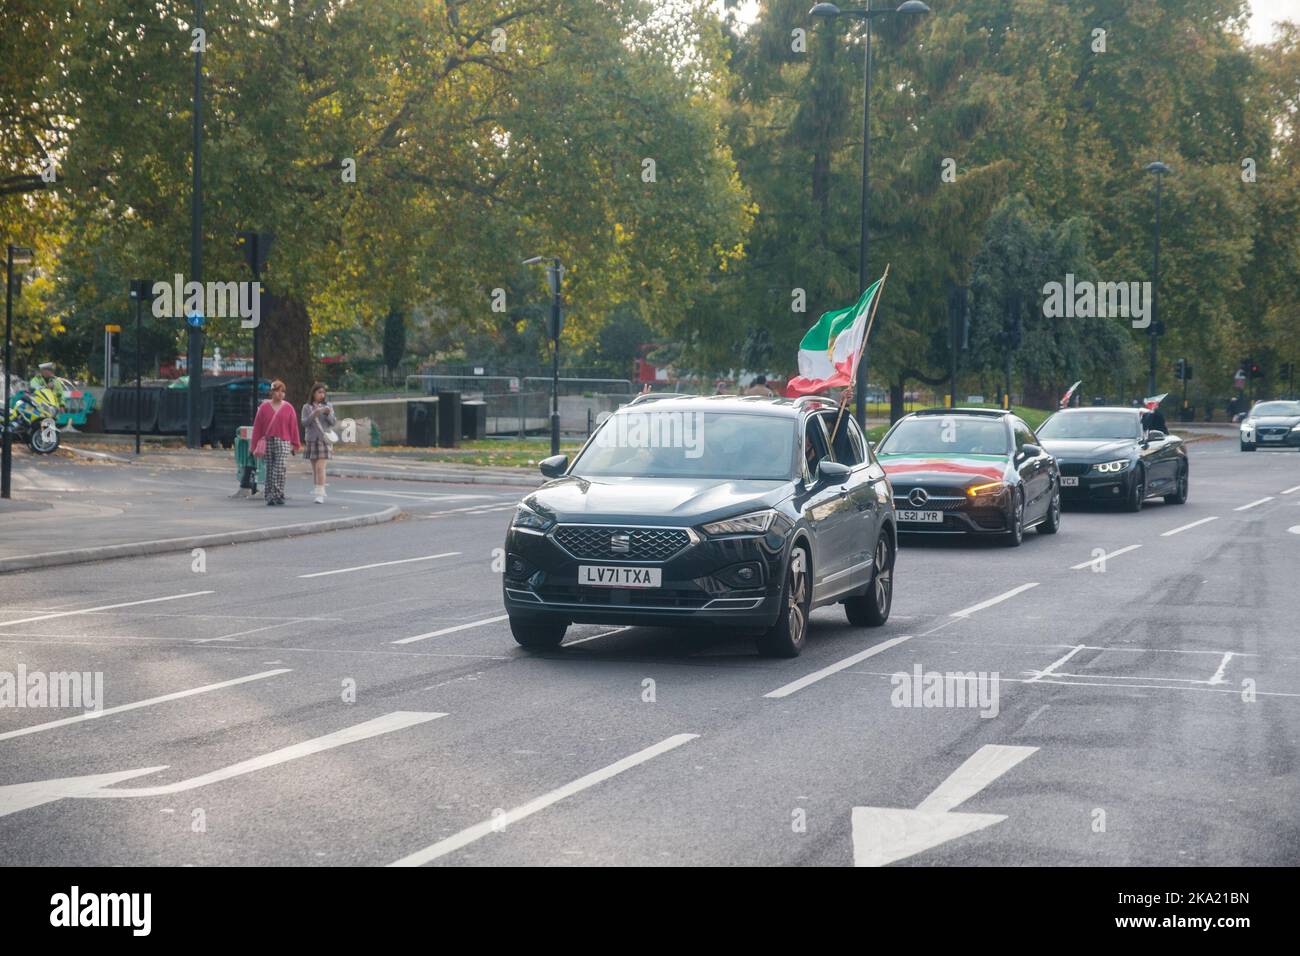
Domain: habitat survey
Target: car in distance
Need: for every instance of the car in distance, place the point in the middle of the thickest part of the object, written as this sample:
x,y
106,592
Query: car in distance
x,y
1271,425
1113,454
970,471
737,512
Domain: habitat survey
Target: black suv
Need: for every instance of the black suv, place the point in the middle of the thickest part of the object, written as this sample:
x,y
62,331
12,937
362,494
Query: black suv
x,y
721,511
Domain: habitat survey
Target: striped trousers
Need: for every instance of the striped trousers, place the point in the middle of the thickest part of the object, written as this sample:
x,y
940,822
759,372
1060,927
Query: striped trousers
x,y
277,462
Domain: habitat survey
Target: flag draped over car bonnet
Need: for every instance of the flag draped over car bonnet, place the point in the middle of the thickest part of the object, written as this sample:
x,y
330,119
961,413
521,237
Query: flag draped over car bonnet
x,y
828,354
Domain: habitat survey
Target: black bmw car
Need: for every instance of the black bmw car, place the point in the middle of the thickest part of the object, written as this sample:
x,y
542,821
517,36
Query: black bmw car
x,y
1271,425
970,471
743,513
1114,455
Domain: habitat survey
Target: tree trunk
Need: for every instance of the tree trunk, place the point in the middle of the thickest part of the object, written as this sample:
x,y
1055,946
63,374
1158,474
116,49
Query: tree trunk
x,y
896,405
286,346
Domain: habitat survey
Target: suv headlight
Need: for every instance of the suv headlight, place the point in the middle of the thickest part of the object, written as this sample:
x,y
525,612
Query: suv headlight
x,y
1108,467
526,517
756,523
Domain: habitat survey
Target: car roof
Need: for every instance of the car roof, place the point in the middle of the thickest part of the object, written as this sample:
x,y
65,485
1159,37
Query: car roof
x,y
998,413
752,404
1101,408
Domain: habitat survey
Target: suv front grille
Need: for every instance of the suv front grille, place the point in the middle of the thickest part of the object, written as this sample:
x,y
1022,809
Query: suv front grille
x,y
595,542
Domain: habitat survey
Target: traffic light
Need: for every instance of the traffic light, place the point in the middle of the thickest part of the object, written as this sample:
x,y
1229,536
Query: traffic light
x,y
1180,370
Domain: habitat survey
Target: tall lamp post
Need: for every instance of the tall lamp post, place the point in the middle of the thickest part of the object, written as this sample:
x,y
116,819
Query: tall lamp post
x,y
194,350
256,246
830,11
141,289
554,277
1159,170
16,256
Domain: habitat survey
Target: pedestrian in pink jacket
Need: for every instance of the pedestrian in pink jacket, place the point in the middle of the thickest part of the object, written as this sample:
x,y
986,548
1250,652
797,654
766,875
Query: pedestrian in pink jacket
x,y
277,426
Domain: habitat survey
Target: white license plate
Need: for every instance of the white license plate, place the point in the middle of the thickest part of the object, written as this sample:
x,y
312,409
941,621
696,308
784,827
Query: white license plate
x,y
924,517
609,576
1271,437
1069,482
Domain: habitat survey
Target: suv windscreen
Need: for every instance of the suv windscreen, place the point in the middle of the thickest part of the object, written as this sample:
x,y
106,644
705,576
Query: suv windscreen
x,y
671,443
947,435
1115,425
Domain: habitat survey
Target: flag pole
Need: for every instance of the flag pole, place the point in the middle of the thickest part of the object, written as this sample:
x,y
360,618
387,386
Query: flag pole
x,y
853,378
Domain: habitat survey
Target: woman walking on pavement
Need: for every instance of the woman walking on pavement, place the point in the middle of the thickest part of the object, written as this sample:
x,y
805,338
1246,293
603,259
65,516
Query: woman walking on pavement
x,y
317,419
275,432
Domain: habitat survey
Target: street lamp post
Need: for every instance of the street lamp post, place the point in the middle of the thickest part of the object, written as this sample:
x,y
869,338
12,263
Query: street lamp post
x,y
830,11
1159,170
140,290
16,255
554,277
194,351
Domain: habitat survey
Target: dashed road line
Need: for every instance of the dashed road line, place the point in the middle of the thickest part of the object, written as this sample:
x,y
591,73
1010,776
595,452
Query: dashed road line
x,y
967,612
1104,557
500,821
452,630
1218,677
380,564
1291,491
1254,504
104,607
1188,527
1046,672
122,708
787,689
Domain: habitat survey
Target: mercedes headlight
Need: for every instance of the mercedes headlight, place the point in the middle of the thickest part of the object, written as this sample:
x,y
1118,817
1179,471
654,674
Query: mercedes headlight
x,y
527,518
756,523
988,490
1108,467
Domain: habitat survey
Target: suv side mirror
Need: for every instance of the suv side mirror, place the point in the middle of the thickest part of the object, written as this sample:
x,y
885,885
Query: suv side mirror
x,y
1155,434
833,472
555,466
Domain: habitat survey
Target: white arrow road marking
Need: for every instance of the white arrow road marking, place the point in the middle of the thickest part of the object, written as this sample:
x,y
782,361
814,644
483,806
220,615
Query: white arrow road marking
x,y
96,714
882,835
380,564
967,612
451,630
480,830
25,795
103,607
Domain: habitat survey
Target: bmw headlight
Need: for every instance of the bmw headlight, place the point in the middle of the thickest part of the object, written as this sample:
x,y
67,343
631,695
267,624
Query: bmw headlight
x,y
530,520
1108,467
755,523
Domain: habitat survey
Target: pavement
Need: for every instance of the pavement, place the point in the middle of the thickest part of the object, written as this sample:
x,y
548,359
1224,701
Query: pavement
x,y
355,698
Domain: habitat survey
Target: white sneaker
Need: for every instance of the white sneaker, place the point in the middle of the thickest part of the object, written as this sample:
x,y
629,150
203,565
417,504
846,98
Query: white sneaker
x,y
320,499
320,494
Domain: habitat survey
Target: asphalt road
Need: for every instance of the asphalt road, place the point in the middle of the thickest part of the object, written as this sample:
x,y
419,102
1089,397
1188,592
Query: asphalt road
x,y
356,698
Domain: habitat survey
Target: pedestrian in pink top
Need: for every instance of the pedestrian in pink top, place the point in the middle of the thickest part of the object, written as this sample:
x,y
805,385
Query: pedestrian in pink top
x,y
275,431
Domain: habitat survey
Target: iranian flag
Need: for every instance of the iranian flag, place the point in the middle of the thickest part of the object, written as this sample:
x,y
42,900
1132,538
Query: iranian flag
x,y
829,352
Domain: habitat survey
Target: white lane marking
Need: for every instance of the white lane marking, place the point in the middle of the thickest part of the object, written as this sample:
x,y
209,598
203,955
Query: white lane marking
x,y
584,640
251,630
1039,675
1105,557
380,564
480,830
882,835
474,510
967,612
1291,491
1218,677
121,708
24,796
398,720
104,607
451,630
1187,527
798,685
1254,504
423,497
1294,529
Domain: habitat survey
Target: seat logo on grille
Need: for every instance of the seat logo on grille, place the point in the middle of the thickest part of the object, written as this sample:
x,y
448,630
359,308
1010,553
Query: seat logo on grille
x,y
918,497
620,542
